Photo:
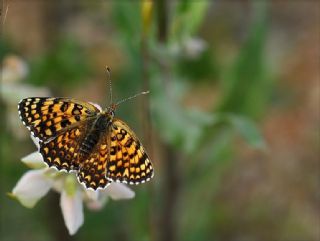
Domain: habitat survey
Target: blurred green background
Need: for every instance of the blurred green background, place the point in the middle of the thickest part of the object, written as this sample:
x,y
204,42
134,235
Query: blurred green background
x,y
231,123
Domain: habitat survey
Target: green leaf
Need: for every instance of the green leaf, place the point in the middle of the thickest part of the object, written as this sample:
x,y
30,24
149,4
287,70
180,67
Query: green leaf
x,y
248,130
185,11
246,85
243,125
180,126
127,18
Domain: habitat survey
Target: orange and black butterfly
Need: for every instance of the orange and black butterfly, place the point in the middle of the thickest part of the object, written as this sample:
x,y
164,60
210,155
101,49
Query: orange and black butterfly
x,y
78,136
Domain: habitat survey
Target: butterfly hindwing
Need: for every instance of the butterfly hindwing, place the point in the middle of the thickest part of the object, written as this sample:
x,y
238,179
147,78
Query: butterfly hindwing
x,y
128,162
92,170
62,152
46,117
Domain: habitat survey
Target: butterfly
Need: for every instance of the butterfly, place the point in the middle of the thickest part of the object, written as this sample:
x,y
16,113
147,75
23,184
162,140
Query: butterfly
x,y
78,136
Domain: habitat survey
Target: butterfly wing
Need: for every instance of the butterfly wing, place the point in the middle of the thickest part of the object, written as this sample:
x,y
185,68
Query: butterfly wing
x,y
128,161
48,117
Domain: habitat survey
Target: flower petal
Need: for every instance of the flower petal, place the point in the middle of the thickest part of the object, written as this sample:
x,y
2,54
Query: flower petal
x,y
31,187
95,200
34,160
58,184
96,205
72,210
119,191
92,194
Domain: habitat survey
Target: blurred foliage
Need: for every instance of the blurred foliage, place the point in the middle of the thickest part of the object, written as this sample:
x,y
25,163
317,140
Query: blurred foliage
x,y
65,64
181,27
202,68
5,48
202,141
246,86
203,137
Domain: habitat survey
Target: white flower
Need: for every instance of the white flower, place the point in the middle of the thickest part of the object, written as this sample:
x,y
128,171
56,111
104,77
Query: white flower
x,y
36,183
31,187
34,160
190,48
119,191
194,47
13,69
72,210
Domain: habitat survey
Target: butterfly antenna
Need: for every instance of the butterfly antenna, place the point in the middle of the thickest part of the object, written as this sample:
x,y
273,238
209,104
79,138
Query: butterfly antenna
x,y
110,83
131,97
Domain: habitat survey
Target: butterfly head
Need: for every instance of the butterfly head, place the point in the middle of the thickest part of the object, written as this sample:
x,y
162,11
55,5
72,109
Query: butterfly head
x,y
110,110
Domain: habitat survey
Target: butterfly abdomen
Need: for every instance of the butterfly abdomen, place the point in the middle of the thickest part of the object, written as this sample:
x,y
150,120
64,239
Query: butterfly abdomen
x,y
93,137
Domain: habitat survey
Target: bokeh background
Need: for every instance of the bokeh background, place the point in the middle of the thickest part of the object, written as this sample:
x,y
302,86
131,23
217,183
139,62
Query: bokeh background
x,y
231,123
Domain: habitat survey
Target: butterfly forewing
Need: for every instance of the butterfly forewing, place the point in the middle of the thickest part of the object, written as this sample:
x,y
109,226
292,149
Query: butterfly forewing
x,y
47,117
129,162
